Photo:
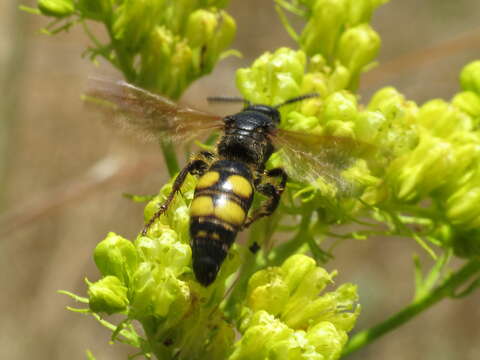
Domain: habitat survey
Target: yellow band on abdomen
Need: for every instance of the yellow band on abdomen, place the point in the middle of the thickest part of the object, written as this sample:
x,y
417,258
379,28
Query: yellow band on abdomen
x,y
239,185
208,180
229,211
202,206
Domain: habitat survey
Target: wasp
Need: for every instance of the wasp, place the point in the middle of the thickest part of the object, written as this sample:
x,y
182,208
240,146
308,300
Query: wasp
x,y
228,177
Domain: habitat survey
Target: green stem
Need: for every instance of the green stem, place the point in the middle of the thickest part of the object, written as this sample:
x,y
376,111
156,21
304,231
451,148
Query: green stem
x,y
121,60
170,158
124,63
446,289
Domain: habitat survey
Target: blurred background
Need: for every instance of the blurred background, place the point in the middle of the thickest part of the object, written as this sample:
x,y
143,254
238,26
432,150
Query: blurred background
x,y
62,177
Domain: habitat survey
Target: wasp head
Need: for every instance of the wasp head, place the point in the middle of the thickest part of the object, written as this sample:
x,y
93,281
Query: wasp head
x,y
271,112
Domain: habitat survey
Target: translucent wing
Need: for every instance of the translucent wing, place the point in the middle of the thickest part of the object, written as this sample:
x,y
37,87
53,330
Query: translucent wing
x,y
309,157
152,116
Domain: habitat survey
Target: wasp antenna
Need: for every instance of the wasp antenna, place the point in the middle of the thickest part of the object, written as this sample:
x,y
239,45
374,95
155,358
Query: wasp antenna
x,y
229,99
297,99
232,99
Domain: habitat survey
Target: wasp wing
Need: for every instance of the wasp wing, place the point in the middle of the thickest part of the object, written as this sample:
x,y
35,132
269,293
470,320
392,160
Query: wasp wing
x,y
152,116
309,157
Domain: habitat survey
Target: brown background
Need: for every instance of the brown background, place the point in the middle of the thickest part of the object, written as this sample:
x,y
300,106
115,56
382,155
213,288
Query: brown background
x,y
54,205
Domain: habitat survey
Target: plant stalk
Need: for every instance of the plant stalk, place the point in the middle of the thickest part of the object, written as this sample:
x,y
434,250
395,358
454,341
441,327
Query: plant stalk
x,y
446,289
170,158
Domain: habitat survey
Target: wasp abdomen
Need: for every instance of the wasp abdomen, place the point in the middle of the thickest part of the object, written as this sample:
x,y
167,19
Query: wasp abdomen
x,y
222,199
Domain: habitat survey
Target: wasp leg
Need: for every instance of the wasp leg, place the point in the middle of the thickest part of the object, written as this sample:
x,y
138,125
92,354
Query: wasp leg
x,y
272,192
197,166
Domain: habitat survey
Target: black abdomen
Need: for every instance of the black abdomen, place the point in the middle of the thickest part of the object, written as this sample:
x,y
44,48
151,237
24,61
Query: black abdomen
x,y
222,199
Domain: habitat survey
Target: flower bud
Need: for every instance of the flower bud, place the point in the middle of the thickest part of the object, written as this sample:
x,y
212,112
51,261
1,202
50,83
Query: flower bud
x,y
339,79
470,77
201,27
465,155
56,8
262,332
462,205
181,73
224,35
144,298
340,111
314,82
155,66
209,33
442,119
134,22
107,295
285,317
157,292
388,101
357,48
369,125
341,105
312,310
305,281
323,29
165,251
462,208
346,309
267,291
273,78
421,171
398,134
296,121
360,11
340,128
469,103
327,339
116,256
296,269
317,63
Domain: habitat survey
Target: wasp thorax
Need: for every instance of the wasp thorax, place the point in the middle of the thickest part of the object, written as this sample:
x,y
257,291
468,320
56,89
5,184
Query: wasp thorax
x,y
247,134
